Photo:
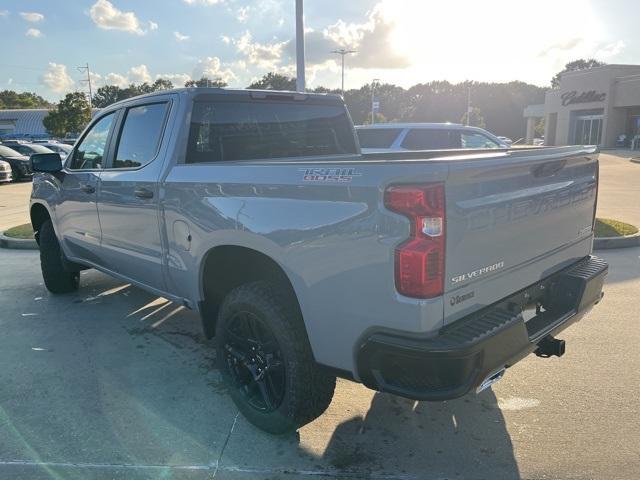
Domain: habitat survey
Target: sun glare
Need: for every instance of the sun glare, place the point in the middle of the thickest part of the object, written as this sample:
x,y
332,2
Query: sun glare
x,y
484,40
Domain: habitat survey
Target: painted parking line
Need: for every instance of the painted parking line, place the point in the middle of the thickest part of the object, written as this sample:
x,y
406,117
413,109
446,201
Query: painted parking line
x,y
218,469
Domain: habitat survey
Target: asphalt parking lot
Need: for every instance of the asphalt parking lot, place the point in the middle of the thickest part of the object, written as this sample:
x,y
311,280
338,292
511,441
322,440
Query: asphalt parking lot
x,y
111,382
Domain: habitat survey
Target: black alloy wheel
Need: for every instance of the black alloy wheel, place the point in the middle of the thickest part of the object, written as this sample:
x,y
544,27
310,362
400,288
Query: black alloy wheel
x,y
254,361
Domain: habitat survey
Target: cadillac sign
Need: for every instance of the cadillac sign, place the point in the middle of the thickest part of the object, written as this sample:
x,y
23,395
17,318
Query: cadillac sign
x,y
569,98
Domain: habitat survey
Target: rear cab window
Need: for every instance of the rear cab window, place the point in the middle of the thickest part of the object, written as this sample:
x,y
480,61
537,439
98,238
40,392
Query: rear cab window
x,y
245,129
431,139
377,137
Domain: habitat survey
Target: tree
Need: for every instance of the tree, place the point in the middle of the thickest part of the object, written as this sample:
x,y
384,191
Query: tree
x,y
11,99
105,96
70,116
580,64
206,82
162,84
109,94
274,81
475,118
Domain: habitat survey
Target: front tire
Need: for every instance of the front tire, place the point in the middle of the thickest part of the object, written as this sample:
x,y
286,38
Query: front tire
x,y
56,277
266,360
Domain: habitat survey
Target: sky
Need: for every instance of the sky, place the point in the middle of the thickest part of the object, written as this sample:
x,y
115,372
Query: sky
x,y
396,41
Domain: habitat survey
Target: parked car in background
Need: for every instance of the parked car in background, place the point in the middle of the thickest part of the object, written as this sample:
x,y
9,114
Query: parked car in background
x,y
538,141
388,137
26,148
506,140
19,164
6,175
60,148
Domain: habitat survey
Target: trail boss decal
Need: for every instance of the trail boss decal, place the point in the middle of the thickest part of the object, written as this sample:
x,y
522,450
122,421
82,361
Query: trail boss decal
x,y
330,175
456,299
477,273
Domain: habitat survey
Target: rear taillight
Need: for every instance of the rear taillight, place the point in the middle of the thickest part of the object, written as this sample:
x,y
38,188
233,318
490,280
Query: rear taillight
x,y
419,261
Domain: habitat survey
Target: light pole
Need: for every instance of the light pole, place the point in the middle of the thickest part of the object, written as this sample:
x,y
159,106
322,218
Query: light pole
x,y
373,98
299,46
342,52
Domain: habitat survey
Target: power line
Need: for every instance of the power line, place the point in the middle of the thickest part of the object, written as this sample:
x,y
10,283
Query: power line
x,y
342,52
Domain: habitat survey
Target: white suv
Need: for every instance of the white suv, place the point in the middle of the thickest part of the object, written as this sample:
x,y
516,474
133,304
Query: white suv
x,y
383,137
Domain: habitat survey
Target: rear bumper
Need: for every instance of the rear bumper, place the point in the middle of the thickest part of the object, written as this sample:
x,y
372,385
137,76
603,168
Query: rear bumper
x,y
463,354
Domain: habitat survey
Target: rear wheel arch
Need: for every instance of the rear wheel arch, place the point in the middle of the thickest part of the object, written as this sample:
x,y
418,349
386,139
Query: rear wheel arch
x,y
226,267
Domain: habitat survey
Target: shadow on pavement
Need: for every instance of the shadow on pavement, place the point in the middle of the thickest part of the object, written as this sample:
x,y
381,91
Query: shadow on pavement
x,y
465,437
126,378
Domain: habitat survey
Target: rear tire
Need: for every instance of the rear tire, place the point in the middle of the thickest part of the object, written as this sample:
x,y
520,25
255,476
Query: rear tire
x,y
56,277
260,338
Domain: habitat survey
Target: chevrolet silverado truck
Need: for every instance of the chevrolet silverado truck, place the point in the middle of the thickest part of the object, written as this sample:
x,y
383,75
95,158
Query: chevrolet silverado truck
x,y
424,274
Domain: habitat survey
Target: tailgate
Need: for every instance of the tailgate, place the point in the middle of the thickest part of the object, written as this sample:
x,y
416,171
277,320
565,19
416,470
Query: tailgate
x,y
514,219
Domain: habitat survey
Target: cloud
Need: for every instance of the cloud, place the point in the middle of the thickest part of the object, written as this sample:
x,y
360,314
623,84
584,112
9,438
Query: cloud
x,y
33,33
57,78
107,17
116,79
212,67
139,74
371,40
203,2
610,49
32,17
560,47
243,14
267,55
178,79
180,37
4,13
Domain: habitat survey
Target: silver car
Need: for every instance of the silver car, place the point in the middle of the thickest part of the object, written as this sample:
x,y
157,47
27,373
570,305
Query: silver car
x,y
389,137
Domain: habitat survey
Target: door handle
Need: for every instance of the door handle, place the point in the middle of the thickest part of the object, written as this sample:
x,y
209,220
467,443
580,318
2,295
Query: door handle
x,y
88,188
143,193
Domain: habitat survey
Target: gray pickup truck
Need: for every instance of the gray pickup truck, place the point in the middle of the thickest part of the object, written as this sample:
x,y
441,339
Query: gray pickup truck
x,y
424,274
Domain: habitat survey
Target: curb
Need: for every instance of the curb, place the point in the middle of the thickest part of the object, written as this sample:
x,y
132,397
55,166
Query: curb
x,y
635,159
606,243
17,243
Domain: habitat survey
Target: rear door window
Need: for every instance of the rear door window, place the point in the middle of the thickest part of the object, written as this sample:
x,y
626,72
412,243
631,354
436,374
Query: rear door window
x,y
377,137
244,130
140,135
430,139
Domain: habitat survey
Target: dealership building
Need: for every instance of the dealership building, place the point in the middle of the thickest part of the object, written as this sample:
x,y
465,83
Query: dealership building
x,y
599,106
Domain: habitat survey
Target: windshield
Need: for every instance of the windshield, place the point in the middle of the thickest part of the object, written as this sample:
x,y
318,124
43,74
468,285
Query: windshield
x,y
9,152
59,148
38,148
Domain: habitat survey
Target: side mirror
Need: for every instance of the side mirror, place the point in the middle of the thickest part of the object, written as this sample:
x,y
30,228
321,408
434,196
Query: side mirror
x,y
46,162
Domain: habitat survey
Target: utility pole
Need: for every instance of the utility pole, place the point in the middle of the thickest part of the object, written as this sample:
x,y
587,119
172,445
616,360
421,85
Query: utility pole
x,y
373,99
468,105
87,81
342,52
300,87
